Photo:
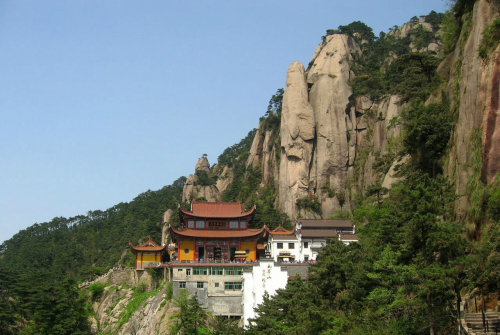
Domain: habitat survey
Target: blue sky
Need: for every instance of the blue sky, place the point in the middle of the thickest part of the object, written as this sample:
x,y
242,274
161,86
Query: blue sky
x,y
103,100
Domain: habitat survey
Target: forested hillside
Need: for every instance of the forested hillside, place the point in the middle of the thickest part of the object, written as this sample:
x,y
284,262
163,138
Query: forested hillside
x,y
75,246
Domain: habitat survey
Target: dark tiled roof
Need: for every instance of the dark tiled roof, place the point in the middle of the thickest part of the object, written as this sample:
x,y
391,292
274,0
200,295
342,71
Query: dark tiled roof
x,y
284,237
348,237
217,233
311,223
229,210
325,233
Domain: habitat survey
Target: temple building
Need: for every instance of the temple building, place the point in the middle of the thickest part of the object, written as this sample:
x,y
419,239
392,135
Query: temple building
x,y
149,254
283,245
313,235
216,232
229,266
213,247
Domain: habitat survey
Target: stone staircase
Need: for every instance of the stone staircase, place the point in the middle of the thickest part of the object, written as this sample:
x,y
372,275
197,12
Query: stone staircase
x,y
474,322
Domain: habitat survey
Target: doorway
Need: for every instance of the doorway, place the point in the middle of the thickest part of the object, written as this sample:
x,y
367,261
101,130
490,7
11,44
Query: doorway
x,y
217,253
201,253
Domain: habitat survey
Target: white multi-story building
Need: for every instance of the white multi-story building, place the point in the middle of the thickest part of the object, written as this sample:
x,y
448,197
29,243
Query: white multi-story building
x,y
264,276
313,235
283,245
303,242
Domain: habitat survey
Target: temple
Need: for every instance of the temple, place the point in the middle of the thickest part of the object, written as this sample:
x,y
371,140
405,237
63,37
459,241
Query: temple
x,y
217,232
227,265
148,254
214,247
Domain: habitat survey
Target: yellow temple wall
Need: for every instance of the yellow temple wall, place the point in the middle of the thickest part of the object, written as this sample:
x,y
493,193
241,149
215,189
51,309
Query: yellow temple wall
x,y
146,257
186,256
250,246
149,258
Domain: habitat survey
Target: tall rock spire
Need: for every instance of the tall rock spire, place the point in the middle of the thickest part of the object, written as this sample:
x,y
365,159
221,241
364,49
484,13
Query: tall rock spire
x,y
297,134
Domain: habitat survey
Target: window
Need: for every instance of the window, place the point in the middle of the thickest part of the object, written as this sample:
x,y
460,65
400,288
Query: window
x,y
200,271
280,246
182,284
291,245
243,225
233,224
216,272
179,270
200,224
199,284
233,271
188,272
216,284
191,224
232,286
306,244
306,258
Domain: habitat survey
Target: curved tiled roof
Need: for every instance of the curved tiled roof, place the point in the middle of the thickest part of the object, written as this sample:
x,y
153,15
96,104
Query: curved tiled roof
x,y
217,233
229,210
280,231
149,245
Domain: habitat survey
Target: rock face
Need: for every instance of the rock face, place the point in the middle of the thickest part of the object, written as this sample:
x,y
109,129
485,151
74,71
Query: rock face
x,y
165,222
318,130
226,177
150,318
474,87
194,189
329,97
270,169
256,150
297,134
332,147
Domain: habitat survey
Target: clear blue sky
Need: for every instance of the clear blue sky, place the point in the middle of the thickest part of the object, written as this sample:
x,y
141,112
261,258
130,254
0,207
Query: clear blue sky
x,y
103,100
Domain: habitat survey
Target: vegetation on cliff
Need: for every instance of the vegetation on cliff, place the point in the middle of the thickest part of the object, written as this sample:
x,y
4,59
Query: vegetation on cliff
x,y
413,262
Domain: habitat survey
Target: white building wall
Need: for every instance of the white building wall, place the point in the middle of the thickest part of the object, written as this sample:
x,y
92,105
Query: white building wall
x,y
265,277
313,244
295,252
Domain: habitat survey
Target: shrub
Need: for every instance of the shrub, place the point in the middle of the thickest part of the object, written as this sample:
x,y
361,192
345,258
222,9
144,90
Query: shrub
x,y
141,286
310,204
96,290
491,36
170,291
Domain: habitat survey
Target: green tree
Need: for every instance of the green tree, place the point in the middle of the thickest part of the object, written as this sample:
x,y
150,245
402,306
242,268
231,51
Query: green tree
x,y
421,252
221,325
415,76
294,310
191,319
427,131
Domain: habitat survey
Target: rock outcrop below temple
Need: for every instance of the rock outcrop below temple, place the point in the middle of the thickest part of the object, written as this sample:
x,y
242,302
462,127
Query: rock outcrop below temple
x,y
200,184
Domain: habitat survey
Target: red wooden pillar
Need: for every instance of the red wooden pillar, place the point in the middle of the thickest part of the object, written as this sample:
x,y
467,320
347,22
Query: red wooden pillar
x,y
179,250
255,249
195,252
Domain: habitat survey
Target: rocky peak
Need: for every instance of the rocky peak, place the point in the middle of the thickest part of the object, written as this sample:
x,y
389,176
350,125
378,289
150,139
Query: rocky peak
x,y
202,165
201,185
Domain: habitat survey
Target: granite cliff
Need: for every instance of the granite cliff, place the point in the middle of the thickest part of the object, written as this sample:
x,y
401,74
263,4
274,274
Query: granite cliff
x,y
332,144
